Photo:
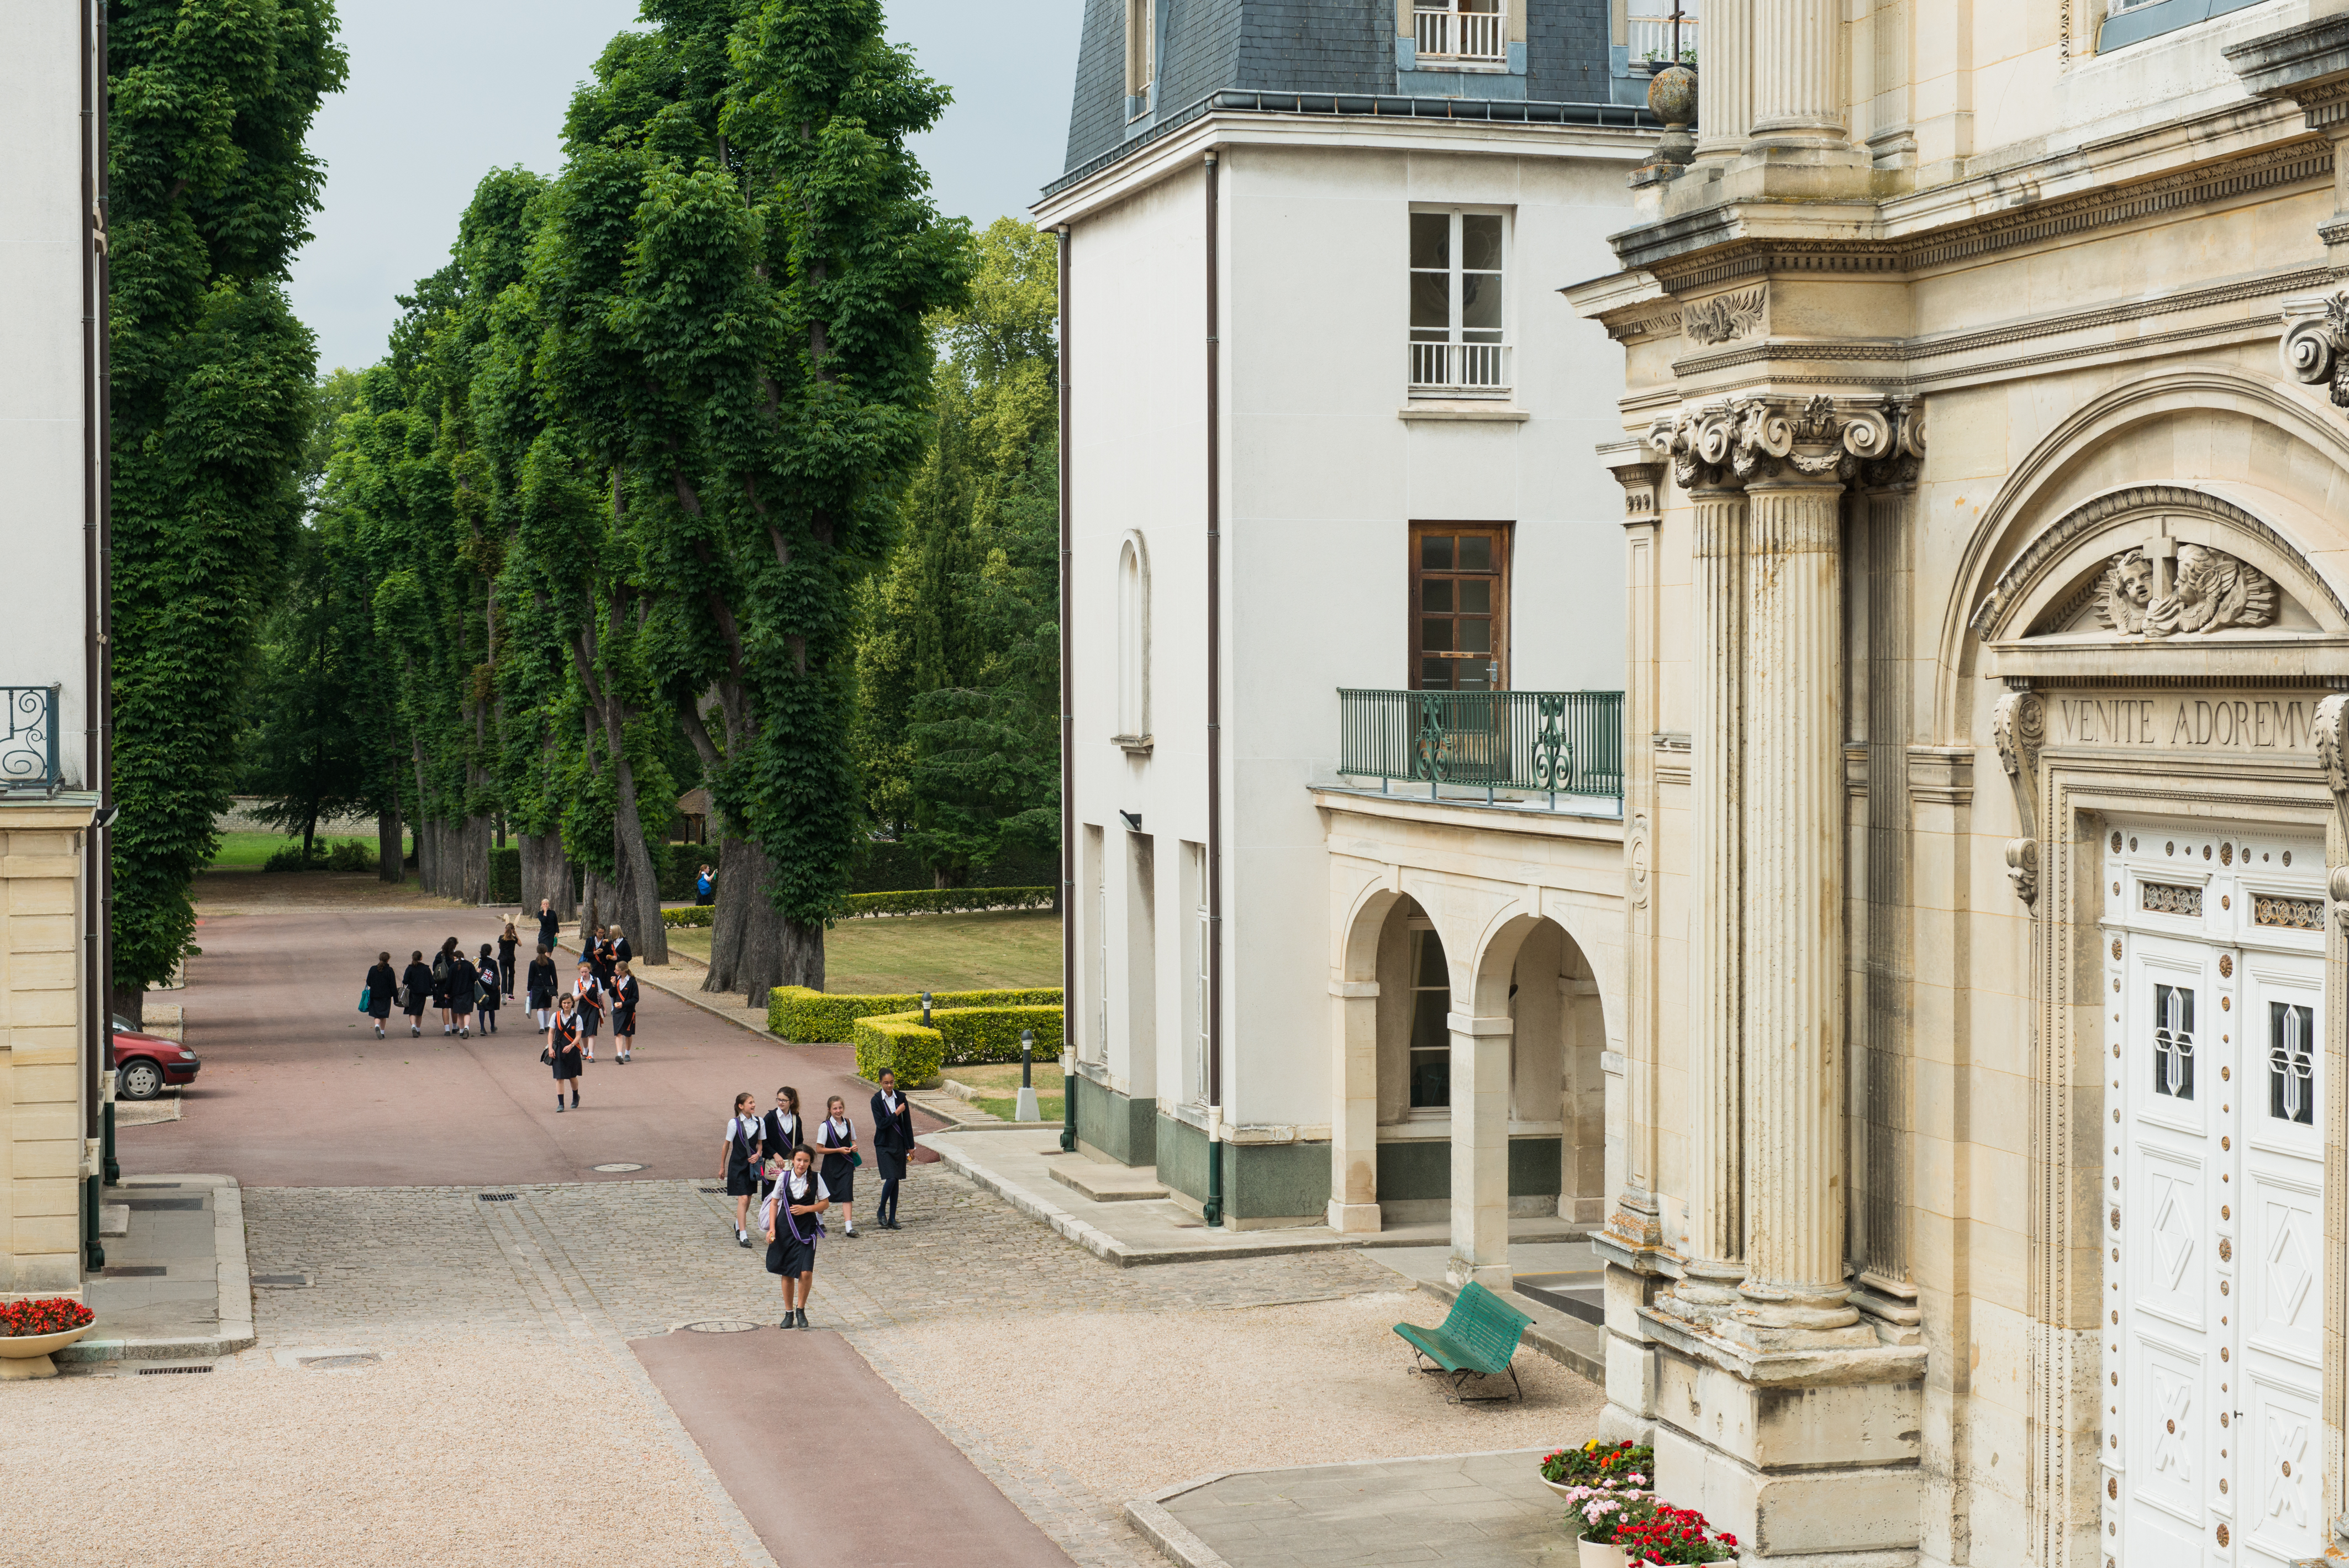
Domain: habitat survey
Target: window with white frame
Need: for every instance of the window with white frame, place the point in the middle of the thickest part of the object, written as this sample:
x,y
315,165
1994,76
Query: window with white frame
x,y
1465,32
1141,54
1458,327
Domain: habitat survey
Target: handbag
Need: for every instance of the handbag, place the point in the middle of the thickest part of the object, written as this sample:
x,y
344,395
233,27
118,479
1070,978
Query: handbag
x,y
546,1056
367,995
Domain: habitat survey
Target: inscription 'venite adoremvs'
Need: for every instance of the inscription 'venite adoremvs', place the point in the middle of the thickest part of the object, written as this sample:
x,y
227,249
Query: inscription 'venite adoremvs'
x,y
2213,722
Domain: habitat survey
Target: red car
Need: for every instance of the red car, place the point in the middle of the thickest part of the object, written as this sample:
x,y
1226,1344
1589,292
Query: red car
x,y
143,1063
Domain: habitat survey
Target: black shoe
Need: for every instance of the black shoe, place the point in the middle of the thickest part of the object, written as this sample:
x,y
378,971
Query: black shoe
x,y
559,1106
803,1322
742,1238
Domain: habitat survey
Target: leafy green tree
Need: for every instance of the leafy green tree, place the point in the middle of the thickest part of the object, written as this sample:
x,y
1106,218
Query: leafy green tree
x,y
209,102
958,656
306,753
739,265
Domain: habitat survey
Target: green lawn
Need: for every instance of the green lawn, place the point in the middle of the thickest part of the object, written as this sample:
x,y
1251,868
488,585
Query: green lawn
x,y
251,851
999,950
1003,1078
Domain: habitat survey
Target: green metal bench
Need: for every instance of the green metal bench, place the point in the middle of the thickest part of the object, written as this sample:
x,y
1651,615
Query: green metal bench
x,y
1478,1339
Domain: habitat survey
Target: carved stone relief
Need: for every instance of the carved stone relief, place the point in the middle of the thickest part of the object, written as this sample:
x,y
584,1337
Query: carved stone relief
x,y
2019,727
2142,595
1874,443
2315,344
1723,319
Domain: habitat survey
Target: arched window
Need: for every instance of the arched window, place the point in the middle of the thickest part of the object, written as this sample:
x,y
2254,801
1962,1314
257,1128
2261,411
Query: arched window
x,y
1133,644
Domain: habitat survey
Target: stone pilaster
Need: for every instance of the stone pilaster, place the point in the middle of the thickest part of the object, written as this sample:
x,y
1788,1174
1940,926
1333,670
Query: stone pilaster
x,y
1725,89
1797,81
1793,792
1480,1151
1714,1250
1354,1131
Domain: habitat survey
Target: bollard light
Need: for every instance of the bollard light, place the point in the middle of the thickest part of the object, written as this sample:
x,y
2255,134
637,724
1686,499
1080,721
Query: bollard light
x,y
1027,1058
925,1010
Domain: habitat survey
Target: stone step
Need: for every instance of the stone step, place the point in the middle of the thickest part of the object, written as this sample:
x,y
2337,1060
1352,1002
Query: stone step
x,y
1108,1183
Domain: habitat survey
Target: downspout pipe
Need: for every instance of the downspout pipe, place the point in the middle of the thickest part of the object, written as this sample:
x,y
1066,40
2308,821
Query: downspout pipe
x,y
1214,1206
99,1114
1067,756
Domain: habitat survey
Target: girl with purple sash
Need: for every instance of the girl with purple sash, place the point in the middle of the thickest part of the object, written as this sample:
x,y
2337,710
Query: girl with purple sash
x,y
793,1223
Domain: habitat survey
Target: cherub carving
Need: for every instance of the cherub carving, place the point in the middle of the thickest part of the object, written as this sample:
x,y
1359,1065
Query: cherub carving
x,y
2212,590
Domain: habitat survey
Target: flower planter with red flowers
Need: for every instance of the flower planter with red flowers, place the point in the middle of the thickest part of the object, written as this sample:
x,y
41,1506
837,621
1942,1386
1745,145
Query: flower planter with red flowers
x,y
1666,1536
1605,1486
31,1330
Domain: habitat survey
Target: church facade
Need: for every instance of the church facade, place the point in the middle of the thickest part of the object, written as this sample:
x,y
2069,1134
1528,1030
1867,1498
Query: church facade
x,y
1985,443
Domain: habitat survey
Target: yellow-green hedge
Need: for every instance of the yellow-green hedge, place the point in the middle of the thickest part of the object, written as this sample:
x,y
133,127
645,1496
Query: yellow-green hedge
x,y
898,1041
813,1017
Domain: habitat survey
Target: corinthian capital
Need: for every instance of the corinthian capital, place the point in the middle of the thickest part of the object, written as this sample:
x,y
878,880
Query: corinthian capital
x,y
1778,439
2316,342
1701,444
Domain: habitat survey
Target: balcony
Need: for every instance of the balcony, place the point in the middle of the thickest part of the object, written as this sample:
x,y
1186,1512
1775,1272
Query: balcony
x,y
1462,35
1476,370
1525,743
28,742
1649,30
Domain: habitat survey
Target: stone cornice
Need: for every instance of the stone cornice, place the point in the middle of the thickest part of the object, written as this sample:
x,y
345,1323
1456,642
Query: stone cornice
x,y
1722,244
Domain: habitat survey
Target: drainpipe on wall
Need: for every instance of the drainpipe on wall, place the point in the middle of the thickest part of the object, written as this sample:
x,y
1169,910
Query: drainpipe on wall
x,y
98,1127
1215,1203
1068,759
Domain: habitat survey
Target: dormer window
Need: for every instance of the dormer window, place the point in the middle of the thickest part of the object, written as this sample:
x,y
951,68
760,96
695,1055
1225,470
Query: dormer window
x,y
1462,32
1141,56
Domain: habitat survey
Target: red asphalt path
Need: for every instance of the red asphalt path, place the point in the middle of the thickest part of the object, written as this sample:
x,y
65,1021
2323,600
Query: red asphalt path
x,y
875,1486
295,1090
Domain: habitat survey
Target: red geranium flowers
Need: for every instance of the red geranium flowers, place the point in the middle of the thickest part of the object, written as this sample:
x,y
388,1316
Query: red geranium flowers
x,y
51,1315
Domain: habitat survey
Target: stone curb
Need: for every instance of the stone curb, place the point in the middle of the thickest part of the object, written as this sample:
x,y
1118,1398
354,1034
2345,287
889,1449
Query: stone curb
x,y
235,1280
1537,1335
1154,1523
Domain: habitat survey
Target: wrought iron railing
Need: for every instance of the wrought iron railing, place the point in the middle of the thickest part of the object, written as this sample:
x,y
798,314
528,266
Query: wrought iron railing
x,y
1526,742
28,737
1460,366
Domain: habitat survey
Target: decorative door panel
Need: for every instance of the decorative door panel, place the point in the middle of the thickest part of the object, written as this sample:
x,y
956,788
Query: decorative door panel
x,y
2216,1111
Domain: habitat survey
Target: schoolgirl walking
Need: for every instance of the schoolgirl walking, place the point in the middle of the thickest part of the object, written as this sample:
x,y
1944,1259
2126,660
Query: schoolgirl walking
x,y
509,943
487,1003
837,1138
464,988
893,1144
538,993
562,1053
737,1157
380,984
625,992
415,991
792,1220
587,997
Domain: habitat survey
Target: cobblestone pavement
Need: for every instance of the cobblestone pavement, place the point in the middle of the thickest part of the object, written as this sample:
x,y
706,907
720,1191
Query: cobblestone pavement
x,y
557,1264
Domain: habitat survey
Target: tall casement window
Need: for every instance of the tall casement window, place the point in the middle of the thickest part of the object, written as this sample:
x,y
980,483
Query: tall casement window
x,y
1141,54
1459,607
1134,644
1458,330
1430,1073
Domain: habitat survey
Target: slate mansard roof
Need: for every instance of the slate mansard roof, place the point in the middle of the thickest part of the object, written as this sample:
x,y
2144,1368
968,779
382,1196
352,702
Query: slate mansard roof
x,y
1339,49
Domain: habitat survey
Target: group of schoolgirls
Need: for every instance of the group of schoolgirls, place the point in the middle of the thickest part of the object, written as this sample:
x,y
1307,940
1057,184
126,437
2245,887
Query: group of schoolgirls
x,y
570,1017
770,1156
461,987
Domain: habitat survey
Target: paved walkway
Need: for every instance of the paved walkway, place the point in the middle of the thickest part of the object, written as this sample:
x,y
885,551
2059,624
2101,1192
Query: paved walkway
x,y
1017,1164
1469,1511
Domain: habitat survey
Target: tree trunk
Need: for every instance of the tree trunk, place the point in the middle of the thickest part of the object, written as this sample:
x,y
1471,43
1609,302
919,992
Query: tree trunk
x,y
596,902
802,955
635,895
473,861
427,855
389,850
546,874
131,1004
747,942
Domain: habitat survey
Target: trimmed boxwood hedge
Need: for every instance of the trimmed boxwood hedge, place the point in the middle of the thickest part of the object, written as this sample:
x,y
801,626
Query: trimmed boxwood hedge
x,y
822,1017
691,915
896,1040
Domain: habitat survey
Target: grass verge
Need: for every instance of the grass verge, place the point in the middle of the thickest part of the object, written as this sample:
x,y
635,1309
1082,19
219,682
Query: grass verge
x,y
995,950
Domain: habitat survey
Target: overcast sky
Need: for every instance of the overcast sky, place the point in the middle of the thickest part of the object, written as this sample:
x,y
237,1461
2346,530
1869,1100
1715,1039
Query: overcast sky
x,y
421,121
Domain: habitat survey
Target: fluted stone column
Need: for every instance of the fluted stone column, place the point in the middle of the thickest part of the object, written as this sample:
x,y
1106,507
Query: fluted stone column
x,y
1354,1127
1714,1251
1480,1151
1797,81
1724,92
1794,972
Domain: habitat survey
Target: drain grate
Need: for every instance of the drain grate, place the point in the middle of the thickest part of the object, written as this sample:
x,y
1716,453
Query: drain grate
x,y
275,1279
721,1325
133,1271
167,1371
712,1192
498,1197
330,1362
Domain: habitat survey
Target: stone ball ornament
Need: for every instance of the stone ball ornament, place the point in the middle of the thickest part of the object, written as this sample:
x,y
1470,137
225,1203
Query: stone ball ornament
x,y
1671,96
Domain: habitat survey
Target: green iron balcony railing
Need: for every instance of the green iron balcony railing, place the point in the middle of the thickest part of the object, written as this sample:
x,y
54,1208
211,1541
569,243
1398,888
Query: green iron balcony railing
x,y
28,738
1549,744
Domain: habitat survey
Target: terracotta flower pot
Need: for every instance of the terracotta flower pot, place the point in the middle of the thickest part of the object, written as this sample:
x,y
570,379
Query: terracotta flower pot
x,y
28,1354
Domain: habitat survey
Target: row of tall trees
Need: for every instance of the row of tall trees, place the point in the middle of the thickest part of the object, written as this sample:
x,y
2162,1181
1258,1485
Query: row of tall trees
x,y
663,480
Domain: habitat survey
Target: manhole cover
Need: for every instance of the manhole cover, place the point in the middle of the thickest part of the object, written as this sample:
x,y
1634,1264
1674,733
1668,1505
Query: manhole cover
x,y
329,1363
497,1197
621,1166
722,1325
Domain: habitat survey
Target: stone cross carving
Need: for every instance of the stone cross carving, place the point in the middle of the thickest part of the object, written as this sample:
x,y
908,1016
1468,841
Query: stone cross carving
x,y
2019,726
2167,586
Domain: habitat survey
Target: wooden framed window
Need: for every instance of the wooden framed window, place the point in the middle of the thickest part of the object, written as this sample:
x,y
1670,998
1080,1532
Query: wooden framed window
x,y
1459,607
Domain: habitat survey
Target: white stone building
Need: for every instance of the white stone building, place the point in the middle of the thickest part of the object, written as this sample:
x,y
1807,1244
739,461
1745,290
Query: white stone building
x,y
52,1023
1334,517
1984,440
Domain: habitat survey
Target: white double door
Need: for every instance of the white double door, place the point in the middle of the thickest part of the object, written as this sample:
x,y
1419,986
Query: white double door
x,y
2213,1304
